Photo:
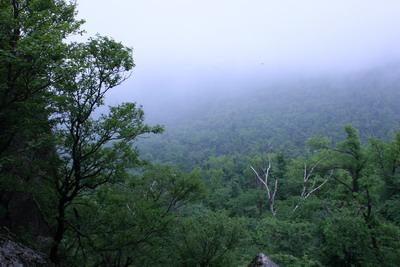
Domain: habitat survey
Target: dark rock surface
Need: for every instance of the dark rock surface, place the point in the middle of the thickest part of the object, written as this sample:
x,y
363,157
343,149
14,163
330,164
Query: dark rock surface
x,y
13,254
262,261
22,214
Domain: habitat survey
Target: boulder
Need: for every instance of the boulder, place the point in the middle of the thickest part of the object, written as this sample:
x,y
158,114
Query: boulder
x,y
13,253
262,261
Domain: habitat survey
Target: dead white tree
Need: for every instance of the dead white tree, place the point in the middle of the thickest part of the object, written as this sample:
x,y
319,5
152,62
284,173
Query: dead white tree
x,y
307,189
264,180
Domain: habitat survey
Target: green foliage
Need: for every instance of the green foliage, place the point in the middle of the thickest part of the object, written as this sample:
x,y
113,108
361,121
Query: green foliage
x,y
209,239
337,197
92,152
281,117
127,223
292,261
318,142
31,48
386,158
346,241
388,236
280,237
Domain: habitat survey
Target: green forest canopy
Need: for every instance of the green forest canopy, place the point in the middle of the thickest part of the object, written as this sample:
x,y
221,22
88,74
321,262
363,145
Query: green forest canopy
x,y
306,172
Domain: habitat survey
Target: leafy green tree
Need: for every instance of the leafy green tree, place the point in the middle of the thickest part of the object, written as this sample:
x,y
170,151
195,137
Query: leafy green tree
x,y
31,48
128,223
386,159
268,177
92,151
209,239
348,155
346,241
353,207
287,242
352,157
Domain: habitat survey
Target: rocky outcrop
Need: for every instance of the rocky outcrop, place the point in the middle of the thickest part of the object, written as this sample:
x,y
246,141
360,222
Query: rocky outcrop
x,y
21,214
12,253
262,261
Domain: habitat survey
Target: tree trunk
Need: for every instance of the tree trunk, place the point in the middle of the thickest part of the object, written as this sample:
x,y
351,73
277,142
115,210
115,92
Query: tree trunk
x,y
59,233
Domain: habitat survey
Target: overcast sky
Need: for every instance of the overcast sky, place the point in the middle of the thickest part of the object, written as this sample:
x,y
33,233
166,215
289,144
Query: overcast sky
x,y
180,45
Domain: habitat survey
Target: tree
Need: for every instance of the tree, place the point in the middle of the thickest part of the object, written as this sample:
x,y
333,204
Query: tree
x,y
288,242
359,170
92,152
263,178
128,222
309,188
209,239
31,47
386,158
49,91
267,173
352,157
349,156
345,240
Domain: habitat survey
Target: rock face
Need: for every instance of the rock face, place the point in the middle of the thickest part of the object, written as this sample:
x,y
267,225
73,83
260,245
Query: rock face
x,y
13,253
21,213
262,261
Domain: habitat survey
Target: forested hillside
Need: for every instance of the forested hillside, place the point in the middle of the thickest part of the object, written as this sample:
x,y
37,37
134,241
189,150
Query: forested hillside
x,y
305,170
280,116
313,190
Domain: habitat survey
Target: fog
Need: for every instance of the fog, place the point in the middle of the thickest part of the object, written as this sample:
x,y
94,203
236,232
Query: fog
x,y
193,49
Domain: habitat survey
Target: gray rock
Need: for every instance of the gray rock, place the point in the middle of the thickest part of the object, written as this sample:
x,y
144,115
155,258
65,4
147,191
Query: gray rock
x,y
262,261
13,254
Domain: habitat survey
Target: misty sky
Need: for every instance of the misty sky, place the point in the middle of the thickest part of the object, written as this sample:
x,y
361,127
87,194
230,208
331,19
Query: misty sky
x,y
186,46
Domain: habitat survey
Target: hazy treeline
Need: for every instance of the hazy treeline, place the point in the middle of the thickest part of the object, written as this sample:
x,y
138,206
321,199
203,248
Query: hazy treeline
x,y
280,117
312,189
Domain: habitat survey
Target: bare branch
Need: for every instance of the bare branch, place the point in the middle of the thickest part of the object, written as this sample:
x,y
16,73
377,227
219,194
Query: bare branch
x,y
318,187
271,198
258,176
306,192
